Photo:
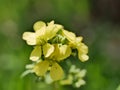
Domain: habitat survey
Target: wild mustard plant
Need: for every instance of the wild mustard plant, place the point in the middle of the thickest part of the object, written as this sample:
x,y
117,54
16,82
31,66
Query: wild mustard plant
x,y
52,45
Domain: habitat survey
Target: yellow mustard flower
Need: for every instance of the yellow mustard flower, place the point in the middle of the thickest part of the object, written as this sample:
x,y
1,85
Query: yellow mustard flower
x,y
53,44
40,38
76,42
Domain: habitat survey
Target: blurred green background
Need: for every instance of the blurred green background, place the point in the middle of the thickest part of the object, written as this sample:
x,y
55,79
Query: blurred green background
x,y
98,21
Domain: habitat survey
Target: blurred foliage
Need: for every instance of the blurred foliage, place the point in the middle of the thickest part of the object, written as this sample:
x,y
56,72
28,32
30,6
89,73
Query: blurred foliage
x,y
103,39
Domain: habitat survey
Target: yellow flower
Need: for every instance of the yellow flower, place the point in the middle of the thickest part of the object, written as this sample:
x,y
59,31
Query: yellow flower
x,y
42,33
40,38
56,72
53,44
53,54
76,42
74,77
61,52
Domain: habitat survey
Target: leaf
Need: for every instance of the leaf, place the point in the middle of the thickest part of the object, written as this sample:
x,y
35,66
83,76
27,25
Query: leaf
x,y
56,72
36,53
41,68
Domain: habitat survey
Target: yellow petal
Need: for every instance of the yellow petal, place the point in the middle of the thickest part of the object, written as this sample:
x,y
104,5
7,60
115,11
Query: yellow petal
x,y
79,83
40,33
81,74
56,72
58,26
83,57
36,53
38,25
64,52
48,49
82,51
30,38
67,81
54,55
82,48
51,31
51,22
41,68
70,36
79,39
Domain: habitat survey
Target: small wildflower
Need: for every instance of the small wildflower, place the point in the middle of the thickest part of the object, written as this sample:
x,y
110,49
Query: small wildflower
x,y
75,77
52,44
56,72
76,43
40,37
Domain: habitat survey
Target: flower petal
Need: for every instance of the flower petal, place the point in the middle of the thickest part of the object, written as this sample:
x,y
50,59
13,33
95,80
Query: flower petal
x,y
54,55
48,49
81,74
51,31
79,83
38,25
67,81
70,36
40,33
36,53
82,48
79,39
41,68
50,23
64,52
82,51
83,57
56,72
30,38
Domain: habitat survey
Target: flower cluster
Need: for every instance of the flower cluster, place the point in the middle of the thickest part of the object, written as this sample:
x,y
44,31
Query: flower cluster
x,y
74,77
53,44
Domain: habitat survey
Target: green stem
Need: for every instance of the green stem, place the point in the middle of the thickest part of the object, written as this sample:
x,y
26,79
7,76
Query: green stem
x,y
56,86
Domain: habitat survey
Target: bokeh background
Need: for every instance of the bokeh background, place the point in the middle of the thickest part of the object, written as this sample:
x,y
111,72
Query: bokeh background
x,y
98,21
